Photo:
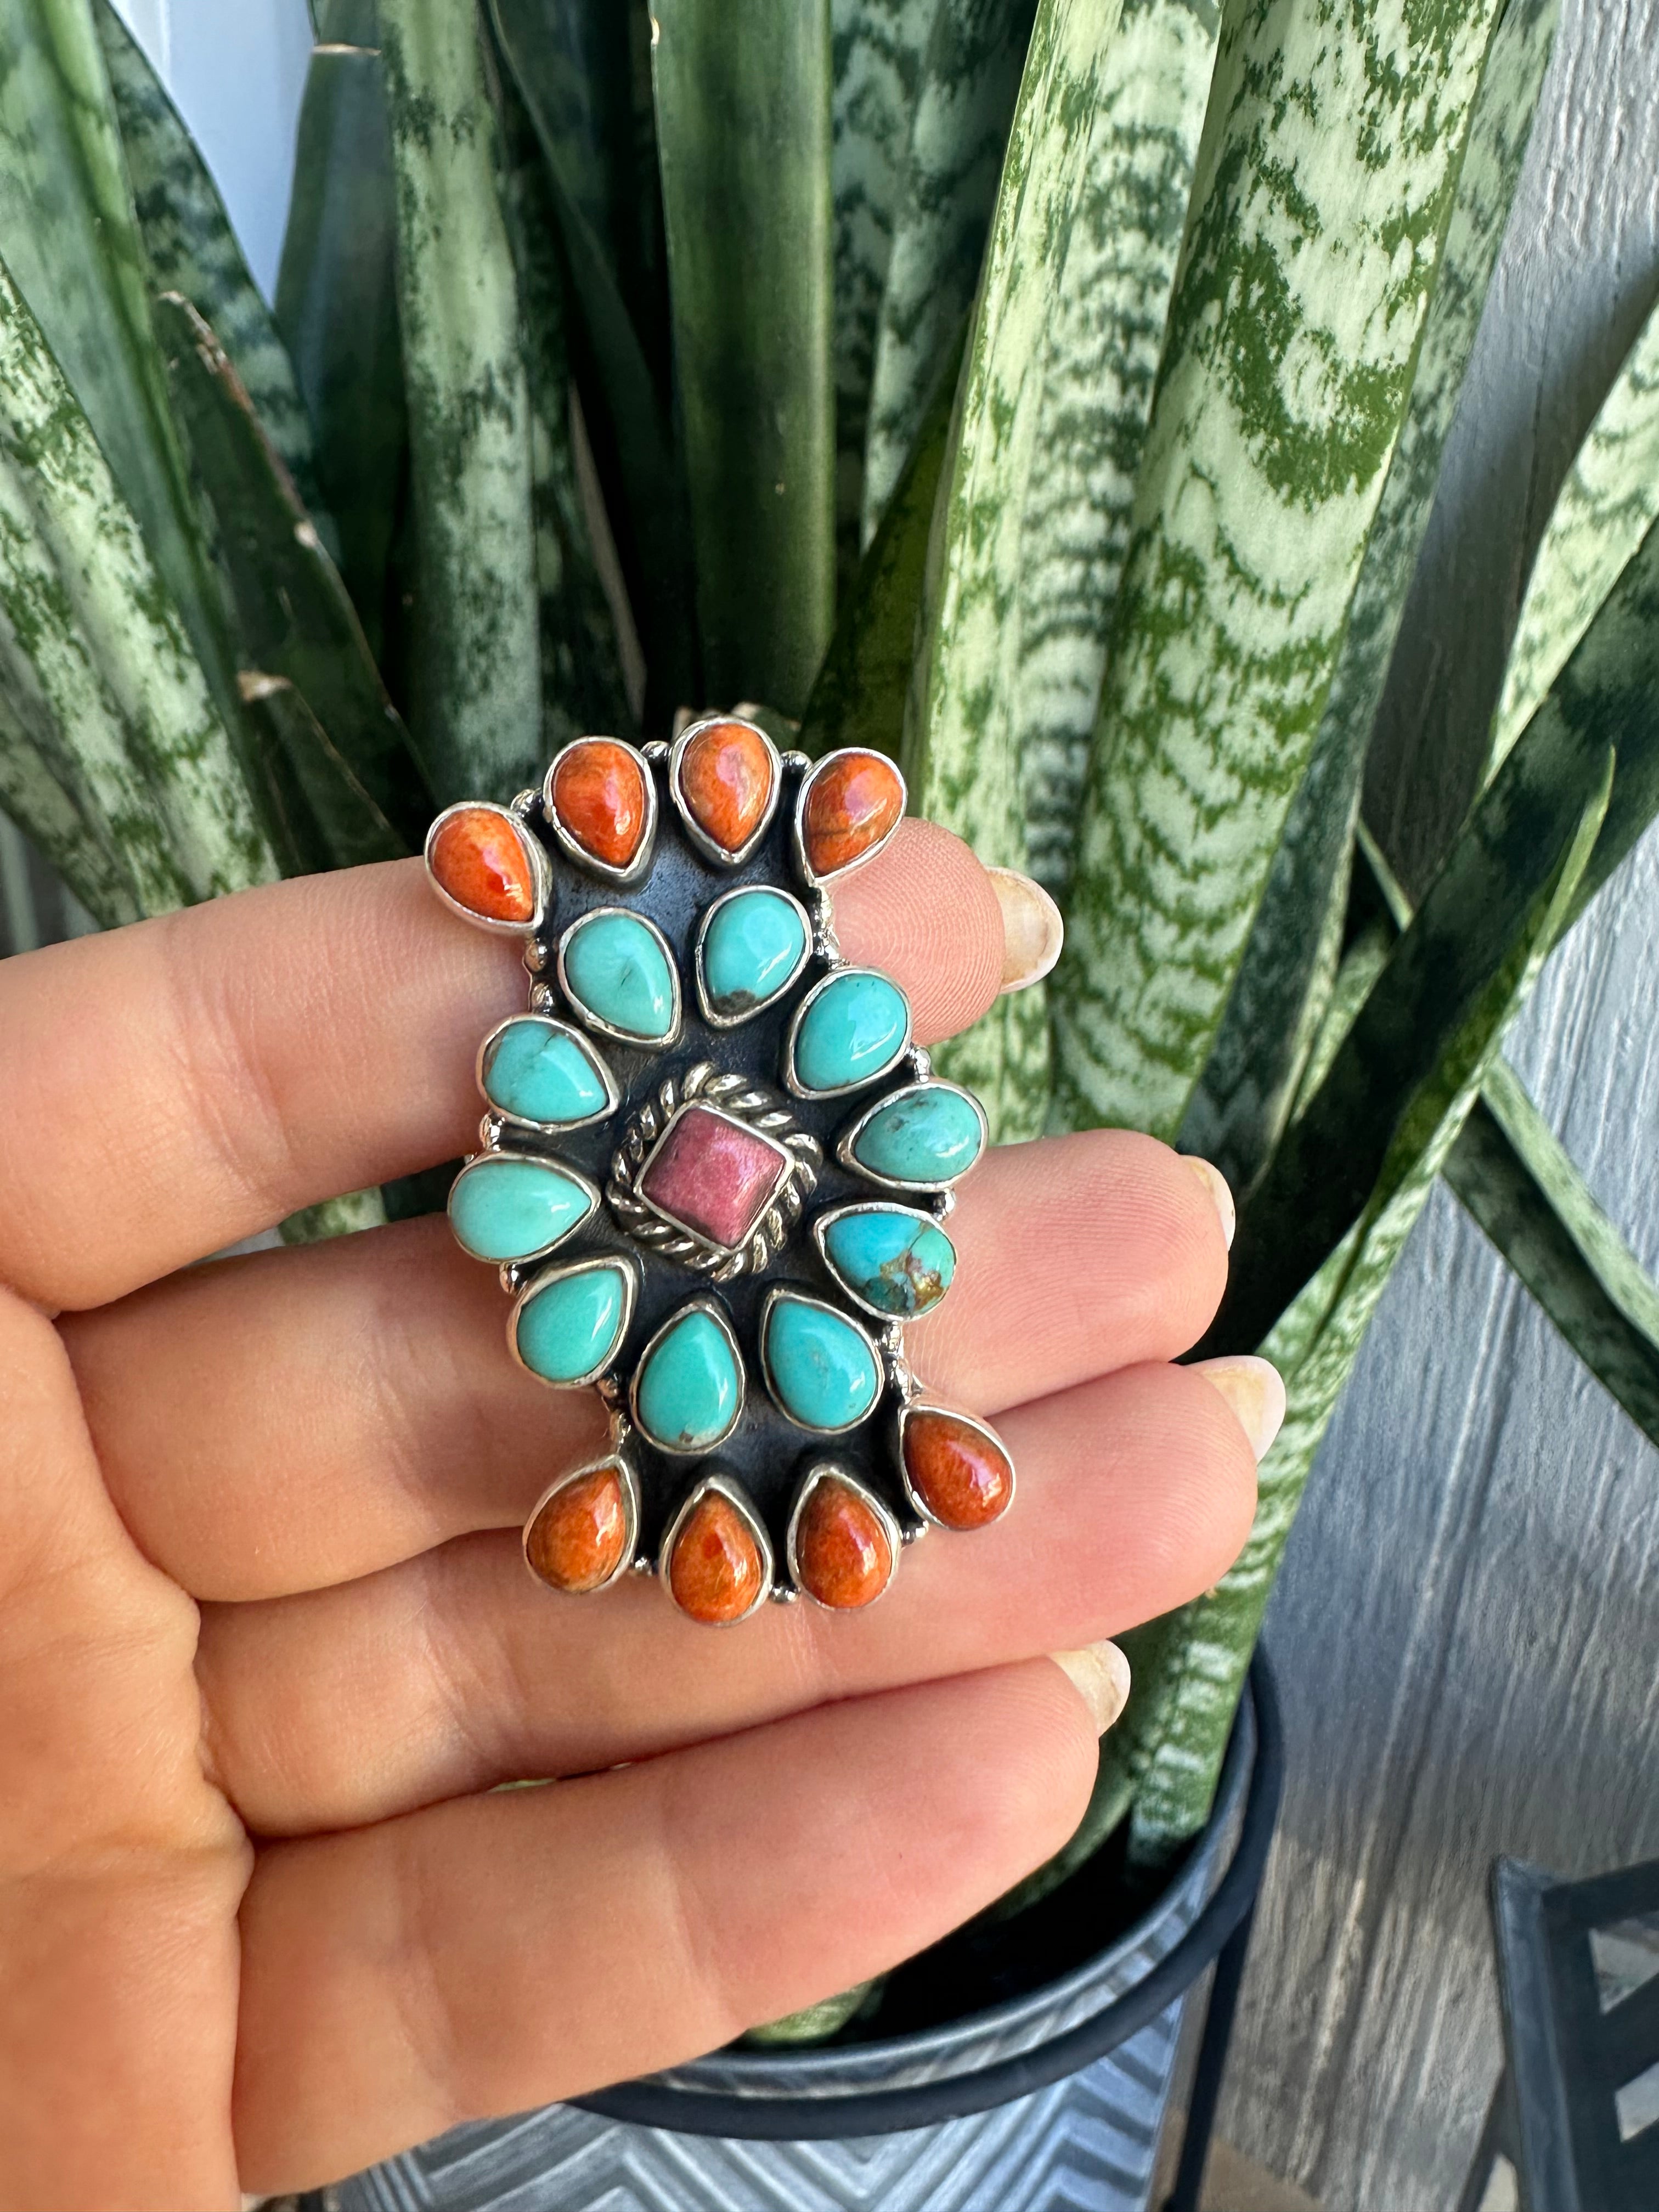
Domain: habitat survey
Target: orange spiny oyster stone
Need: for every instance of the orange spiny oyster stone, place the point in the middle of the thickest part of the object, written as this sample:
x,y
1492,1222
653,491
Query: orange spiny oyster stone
x,y
597,790
961,1474
478,856
726,776
842,1555
716,1570
851,806
577,1540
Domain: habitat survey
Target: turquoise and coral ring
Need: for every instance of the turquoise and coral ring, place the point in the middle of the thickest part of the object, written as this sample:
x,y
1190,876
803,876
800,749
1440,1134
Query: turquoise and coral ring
x,y
716,1172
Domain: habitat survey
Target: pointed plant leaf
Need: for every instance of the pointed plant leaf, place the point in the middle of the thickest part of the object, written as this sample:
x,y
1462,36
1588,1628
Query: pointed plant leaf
x,y
1514,1175
1235,1116
189,248
334,817
743,130
478,720
69,239
1191,1666
337,311
1606,506
1322,190
295,617
958,127
94,662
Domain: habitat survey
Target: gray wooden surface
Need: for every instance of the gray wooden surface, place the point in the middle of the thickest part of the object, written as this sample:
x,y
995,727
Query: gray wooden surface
x,y
1468,1628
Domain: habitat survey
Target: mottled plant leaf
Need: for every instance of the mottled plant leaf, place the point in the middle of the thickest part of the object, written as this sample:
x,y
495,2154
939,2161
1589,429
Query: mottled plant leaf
x,y
1515,1176
860,696
70,240
1322,190
333,818
1606,506
1100,341
78,846
189,248
624,385
1288,962
335,1217
958,127
294,617
743,135
96,668
345,23
479,714
877,49
1191,1666
337,309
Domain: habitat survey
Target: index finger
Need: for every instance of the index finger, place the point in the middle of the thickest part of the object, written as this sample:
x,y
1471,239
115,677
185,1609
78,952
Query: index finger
x,y
173,1086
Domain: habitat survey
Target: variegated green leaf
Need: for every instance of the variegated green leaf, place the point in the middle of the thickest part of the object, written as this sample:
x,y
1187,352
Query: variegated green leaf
x,y
478,719
191,248
336,310
96,667
332,820
17,909
1515,1176
1235,1116
1100,341
860,696
743,133
78,847
1202,1654
69,239
1608,503
958,127
1324,187
295,617
336,1217
582,686
878,48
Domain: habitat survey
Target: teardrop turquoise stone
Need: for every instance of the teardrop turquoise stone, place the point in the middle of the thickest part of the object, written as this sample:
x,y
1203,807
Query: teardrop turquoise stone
x,y
898,1261
751,947
573,1326
821,1367
852,1032
539,1073
614,968
690,1386
512,1209
928,1135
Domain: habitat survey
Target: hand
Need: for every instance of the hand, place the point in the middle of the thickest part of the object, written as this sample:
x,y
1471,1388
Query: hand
x,y
266,1640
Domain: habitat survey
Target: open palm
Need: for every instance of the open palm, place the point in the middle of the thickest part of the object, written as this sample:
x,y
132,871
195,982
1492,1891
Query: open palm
x,y
267,1643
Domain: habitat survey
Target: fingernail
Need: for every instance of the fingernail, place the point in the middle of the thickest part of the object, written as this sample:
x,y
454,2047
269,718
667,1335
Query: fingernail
x,y
1256,1391
1100,1672
1032,929
1221,1196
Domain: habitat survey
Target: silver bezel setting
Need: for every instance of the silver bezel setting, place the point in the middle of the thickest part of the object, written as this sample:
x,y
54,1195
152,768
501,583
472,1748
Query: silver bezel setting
x,y
597,1022
624,1264
919,1405
786,1160
595,1058
541,872
850,1135
787,1292
630,1490
826,1221
798,839
831,1470
719,1021
733,1491
718,1315
707,845
493,1157
791,1080
570,845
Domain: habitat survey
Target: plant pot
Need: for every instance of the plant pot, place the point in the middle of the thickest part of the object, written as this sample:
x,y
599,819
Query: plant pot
x,y
1051,2098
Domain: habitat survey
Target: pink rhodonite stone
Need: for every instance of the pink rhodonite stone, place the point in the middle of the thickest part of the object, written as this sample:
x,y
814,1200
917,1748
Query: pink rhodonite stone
x,y
712,1175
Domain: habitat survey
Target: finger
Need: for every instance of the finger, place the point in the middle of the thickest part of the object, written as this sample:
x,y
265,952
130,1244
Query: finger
x,y
456,1670
299,1418
501,1952
169,1088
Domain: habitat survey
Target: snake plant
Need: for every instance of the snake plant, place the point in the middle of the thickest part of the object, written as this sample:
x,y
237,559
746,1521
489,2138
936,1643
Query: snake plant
x,y
1051,395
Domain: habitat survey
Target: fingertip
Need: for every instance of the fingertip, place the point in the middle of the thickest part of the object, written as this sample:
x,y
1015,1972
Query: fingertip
x,y
925,911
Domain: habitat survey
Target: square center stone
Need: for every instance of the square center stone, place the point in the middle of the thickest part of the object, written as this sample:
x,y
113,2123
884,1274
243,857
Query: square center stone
x,y
713,1175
